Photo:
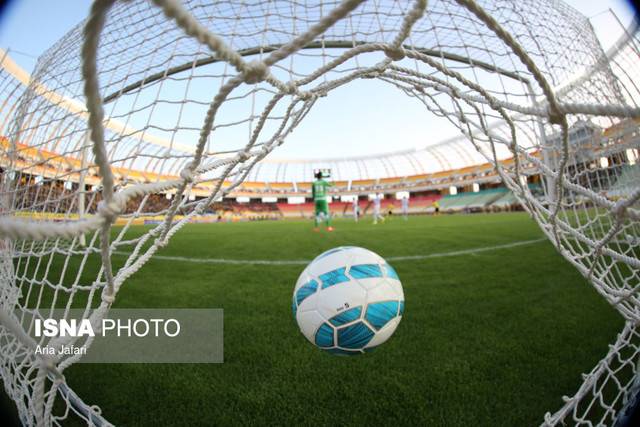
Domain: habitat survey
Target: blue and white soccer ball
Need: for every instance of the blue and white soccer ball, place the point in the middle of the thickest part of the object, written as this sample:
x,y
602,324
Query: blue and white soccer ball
x,y
348,300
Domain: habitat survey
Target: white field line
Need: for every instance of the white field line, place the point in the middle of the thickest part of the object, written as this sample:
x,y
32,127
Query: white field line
x,y
304,262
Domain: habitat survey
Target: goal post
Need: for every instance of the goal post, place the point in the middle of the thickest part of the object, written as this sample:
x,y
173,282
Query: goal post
x,y
177,97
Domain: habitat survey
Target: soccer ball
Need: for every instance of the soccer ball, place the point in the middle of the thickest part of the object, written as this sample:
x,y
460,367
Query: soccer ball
x,y
348,300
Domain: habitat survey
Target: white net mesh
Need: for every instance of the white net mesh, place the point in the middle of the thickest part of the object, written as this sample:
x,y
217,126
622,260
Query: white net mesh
x,y
184,99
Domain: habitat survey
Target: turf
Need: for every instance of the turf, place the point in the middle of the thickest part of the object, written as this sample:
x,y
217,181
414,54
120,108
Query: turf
x,y
491,338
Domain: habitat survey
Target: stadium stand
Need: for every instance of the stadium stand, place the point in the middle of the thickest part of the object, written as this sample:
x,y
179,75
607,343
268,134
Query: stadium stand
x,y
469,202
615,145
485,198
290,210
423,204
506,202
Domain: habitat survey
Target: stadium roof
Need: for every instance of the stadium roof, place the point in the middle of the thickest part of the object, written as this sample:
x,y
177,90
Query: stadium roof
x,y
450,154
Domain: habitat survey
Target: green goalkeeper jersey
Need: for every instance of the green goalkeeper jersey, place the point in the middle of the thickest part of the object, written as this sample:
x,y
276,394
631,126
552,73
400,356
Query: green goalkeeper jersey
x,y
319,190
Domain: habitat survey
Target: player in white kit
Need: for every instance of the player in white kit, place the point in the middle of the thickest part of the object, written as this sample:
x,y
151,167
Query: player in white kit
x,y
355,209
376,209
405,207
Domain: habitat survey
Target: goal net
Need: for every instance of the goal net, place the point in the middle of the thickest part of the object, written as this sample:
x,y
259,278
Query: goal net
x,y
151,110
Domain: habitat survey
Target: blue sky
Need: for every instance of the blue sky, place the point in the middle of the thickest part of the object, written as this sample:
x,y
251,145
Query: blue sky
x,y
29,27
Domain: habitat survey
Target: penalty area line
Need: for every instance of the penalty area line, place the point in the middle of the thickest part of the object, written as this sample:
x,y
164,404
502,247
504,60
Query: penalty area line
x,y
471,251
305,262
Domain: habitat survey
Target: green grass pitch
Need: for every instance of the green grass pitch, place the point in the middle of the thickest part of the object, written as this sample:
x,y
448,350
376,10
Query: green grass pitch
x,y
490,338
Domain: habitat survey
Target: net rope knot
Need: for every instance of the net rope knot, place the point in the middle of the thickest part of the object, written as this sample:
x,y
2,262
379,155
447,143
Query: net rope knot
x,y
620,209
395,53
291,87
264,151
255,72
110,210
555,117
108,296
49,363
161,243
187,174
307,96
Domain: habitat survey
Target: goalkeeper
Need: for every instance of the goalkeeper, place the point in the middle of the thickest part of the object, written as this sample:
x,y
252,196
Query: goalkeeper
x,y
319,191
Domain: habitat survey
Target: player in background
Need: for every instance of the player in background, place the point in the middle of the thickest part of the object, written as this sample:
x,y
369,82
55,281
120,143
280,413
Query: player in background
x,y
405,207
436,208
390,208
377,215
355,209
319,191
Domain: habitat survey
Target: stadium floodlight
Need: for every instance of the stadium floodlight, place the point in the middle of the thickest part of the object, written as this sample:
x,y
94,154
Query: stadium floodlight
x,y
527,78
